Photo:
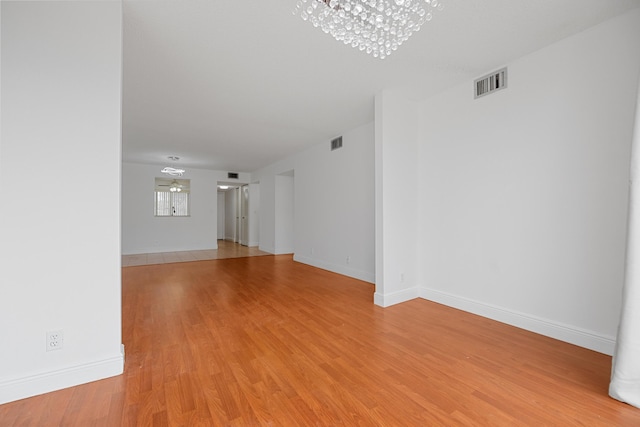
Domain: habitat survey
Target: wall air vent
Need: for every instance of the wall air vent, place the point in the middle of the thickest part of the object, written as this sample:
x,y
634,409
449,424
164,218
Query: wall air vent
x,y
336,143
490,83
232,175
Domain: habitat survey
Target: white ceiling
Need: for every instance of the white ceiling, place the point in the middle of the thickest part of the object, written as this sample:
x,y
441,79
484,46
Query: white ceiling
x,y
237,85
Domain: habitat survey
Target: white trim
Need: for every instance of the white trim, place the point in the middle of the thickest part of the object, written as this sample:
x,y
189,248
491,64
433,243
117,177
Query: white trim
x,y
336,268
267,249
46,382
386,300
284,251
163,249
550,328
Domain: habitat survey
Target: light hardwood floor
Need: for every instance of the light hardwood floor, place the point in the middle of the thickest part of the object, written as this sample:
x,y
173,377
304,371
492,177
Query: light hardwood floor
x,y
225,250
268,341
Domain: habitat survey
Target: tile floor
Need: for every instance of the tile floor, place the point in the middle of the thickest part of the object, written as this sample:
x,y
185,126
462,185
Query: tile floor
x,y
225,250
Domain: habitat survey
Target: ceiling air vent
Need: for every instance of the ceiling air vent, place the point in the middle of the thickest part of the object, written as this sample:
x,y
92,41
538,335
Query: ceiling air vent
x,y
490,83
336,143
232,175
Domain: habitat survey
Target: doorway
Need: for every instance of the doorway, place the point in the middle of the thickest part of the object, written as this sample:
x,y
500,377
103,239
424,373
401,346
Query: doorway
x,y
243,197
240,210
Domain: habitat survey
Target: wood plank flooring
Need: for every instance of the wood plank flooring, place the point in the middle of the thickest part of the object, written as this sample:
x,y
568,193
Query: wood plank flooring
x,y
266,341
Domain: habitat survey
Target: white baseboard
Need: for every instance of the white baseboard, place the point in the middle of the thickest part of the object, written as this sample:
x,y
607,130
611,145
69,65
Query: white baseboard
x,y
46,382
580,337
345,271
283,251
163,249
389,299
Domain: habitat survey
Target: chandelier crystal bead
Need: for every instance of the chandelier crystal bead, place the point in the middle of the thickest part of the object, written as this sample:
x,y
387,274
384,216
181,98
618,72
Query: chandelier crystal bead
x,y
377,27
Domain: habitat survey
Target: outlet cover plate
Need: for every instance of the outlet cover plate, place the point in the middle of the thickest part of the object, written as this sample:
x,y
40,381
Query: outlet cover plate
x,y
55,340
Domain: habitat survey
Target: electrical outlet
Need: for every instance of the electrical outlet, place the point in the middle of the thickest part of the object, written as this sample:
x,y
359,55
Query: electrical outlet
x,y
55,340
348,260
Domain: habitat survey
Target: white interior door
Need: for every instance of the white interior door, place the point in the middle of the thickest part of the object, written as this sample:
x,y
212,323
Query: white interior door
x,y
244,215
238,226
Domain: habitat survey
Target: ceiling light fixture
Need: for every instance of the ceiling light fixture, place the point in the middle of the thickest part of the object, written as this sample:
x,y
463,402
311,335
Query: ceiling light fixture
x,y
173,158
175,186
173,171
223,187
377,27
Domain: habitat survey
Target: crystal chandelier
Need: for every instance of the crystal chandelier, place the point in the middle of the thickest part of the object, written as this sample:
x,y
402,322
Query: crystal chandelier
x,y
376,27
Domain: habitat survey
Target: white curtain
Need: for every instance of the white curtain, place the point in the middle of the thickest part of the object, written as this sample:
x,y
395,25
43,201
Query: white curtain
x,y
625,375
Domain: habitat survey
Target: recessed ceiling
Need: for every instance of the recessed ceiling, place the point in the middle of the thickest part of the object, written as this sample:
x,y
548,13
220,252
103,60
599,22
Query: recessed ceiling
x,y
238,85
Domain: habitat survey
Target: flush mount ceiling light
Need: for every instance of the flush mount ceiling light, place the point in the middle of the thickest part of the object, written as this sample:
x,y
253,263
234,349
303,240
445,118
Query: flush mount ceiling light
x,y
172,171
377,27
173,158
223,187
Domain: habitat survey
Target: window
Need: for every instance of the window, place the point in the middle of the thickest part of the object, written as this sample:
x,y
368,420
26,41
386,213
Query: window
x,y
171,197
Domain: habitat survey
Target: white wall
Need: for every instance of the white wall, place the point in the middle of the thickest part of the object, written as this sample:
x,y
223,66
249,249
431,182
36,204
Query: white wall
x,y
60,167
142,232
333,205
267,220
254,214
396,174
284,205
221,215
523,194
